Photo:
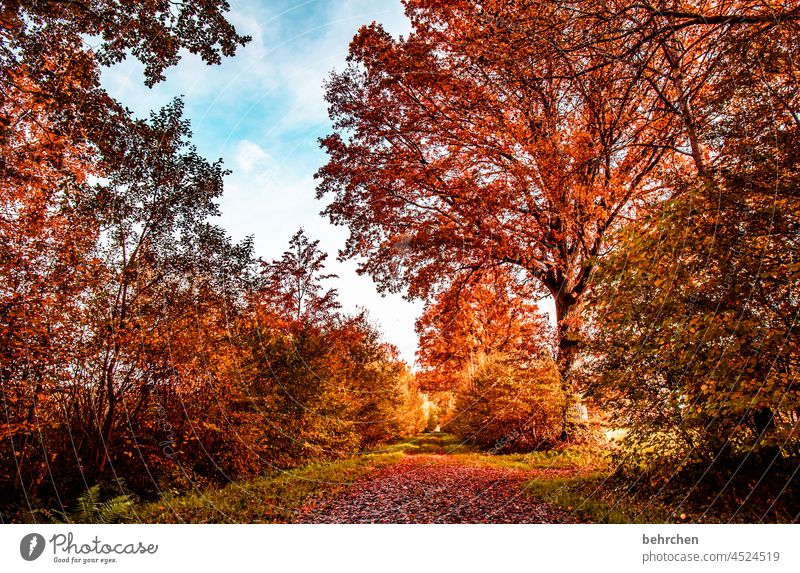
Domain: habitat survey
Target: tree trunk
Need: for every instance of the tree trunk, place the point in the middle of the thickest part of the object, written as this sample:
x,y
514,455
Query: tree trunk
x,y
567,333
23,446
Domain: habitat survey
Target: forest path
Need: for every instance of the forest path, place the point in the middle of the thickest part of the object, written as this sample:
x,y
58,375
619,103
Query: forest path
x,y
438,488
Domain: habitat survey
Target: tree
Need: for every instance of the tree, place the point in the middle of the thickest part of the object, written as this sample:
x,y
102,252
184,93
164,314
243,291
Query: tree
x,y
454,153
524,134
46,264
154,32
695,320
83,239
293,284
325,382
153,214
491,314
680,53
508,407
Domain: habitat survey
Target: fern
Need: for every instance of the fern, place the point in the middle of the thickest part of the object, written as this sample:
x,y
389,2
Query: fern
x,y
115,510
90,509
86,505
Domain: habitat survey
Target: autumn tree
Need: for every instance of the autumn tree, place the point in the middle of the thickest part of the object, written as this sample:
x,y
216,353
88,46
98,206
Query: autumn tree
x,y
68,353
153,211
467,145
488,344
46,263
293,285
523,133
679,55
510,407
323,381
494,312
695,336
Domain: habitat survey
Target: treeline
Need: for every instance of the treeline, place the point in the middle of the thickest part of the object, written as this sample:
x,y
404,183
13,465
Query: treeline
x,y
139,347
636,162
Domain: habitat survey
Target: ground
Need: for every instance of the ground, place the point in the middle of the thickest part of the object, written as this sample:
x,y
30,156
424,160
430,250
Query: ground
x,y
436,489
433,478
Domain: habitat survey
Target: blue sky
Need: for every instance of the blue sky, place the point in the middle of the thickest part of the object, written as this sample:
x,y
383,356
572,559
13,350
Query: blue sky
x,y
262,112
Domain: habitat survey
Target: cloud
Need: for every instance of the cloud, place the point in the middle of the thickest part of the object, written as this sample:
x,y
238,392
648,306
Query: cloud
x,y
251,159
262,112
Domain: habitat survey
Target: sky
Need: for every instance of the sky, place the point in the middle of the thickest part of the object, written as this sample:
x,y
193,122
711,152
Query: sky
x,y
262,112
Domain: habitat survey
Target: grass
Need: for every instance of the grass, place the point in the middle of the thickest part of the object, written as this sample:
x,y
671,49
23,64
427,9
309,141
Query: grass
x,y
437,443
593,499
575,479
269,499
579,458
276,497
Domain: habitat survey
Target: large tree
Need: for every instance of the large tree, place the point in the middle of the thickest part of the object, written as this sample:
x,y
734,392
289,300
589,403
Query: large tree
x,y
523,133
469,144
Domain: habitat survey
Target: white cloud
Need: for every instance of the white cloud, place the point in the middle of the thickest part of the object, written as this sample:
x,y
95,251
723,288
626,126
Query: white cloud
x,y
251,159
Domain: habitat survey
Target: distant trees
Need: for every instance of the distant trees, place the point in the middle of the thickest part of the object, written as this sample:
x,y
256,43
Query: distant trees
x,y
492,312
486,344
330,385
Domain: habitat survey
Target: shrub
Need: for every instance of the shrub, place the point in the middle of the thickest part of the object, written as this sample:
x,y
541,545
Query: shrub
x,y
507,406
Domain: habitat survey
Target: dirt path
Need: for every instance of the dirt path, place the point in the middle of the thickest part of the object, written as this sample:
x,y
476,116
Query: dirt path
x,y
436,489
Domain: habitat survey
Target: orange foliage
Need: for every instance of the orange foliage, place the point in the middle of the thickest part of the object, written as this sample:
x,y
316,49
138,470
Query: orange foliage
x,y
492,312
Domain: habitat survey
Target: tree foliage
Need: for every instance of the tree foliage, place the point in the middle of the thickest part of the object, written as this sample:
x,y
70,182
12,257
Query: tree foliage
x,y
695,316
136,340
493,312
558,136
472,144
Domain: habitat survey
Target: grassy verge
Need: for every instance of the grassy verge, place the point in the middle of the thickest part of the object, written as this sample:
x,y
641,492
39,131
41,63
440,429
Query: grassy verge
x,y
582,460
578,480
437,443
269,499
594,498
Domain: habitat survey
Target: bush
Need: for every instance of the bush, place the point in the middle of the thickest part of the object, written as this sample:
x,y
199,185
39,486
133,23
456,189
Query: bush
x,y
510,407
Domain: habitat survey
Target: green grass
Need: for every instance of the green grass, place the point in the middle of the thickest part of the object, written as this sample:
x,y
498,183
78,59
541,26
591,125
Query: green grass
x,y
575,479
571,478
437,443
593,499
579,458
275,498
269,499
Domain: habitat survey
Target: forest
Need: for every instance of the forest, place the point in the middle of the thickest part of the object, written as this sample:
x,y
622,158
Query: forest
x,y
637,163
